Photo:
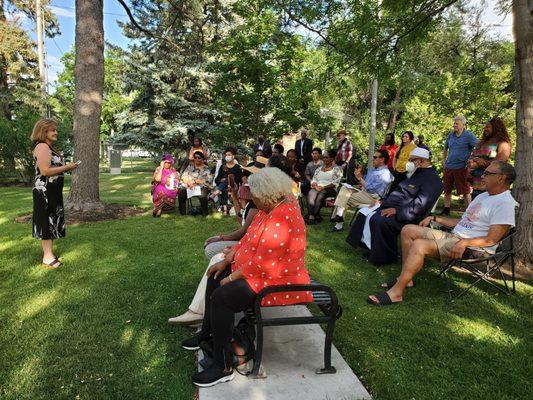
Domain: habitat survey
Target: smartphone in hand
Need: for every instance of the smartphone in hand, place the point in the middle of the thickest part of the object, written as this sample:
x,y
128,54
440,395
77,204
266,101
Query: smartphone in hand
x,y
78,162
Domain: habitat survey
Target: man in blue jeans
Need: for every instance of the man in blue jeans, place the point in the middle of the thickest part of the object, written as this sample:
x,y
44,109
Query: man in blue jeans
x,y
457,149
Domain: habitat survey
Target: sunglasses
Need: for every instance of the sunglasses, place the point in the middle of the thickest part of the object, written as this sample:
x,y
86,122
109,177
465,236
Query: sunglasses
x,y
377,157
491,173
198,158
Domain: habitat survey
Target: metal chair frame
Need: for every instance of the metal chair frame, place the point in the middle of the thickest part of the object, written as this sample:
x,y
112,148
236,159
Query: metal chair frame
x,y
328,303
492,263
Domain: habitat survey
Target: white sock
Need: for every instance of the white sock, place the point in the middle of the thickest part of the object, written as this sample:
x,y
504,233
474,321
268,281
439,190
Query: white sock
x,y
340,211
339,225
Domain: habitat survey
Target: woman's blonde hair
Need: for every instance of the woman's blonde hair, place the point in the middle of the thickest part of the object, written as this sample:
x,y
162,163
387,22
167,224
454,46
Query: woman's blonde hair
x,y
41,128
271,185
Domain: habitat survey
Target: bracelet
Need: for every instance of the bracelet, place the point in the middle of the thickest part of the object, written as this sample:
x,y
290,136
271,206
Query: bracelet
x,y
434,218
221,237
229,277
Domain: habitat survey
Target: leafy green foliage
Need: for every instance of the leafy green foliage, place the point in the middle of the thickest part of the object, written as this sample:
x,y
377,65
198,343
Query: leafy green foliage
x,y
15,144
264,81
114,100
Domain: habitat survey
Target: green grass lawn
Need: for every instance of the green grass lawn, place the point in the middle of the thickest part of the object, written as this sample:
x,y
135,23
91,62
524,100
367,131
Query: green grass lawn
x,y
96,328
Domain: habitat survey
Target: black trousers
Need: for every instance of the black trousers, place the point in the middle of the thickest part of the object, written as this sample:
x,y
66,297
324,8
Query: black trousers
x,y
384,237
316,200
399,177
182,200
305,187
221,304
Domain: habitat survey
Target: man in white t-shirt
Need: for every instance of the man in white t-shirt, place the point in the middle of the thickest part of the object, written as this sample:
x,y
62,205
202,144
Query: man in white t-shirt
x,y
484,223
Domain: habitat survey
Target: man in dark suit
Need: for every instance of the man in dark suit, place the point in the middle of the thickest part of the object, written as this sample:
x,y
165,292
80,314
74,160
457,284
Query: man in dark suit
x,y
262,145
409,203
303,147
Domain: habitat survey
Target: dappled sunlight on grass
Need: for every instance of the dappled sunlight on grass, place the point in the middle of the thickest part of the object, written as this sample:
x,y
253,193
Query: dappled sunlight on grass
x,y
127,335
22,380
37,304
96,327
481,331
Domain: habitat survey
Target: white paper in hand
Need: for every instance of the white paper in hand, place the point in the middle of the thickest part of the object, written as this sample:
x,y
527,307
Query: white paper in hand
x,y
196,191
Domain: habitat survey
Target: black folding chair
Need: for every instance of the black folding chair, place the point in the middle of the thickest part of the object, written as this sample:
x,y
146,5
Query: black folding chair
x,y
483,268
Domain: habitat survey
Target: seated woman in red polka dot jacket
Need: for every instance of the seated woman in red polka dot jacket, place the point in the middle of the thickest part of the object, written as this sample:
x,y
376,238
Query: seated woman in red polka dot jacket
x,y
271,253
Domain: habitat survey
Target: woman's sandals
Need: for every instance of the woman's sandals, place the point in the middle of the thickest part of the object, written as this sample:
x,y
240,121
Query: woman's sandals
x,y
55,263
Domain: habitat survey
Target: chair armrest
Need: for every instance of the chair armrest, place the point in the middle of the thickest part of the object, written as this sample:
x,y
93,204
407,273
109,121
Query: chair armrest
x,y
294,288
440,227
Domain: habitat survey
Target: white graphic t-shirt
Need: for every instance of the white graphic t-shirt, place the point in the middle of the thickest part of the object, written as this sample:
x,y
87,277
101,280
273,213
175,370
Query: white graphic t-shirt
x,y
484,211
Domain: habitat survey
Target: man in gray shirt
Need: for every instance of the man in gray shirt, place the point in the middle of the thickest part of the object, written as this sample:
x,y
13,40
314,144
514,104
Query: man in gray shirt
x,y
457,149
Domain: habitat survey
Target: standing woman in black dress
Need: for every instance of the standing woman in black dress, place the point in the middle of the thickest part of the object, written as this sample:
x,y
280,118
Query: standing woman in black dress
x,y
48,212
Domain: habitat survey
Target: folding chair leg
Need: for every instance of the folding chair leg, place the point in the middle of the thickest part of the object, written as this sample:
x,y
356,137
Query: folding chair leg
x,y
513,272
484,277
444,269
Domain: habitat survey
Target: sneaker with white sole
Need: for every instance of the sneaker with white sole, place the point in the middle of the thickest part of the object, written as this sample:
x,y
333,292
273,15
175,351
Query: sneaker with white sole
x,y
193,343
212,376
187,318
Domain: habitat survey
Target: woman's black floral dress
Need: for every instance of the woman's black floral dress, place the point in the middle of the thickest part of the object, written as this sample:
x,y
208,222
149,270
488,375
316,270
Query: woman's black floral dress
x,y
48,211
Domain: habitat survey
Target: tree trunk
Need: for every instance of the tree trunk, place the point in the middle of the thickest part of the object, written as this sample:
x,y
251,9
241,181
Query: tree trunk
x,y
522,190
393,116
88,89
5,109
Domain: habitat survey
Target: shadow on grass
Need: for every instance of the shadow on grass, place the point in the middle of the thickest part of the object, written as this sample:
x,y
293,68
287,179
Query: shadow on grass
x,y
427,347
97,327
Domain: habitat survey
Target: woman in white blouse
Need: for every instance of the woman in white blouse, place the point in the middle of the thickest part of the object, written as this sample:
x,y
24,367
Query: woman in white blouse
x,y
323,185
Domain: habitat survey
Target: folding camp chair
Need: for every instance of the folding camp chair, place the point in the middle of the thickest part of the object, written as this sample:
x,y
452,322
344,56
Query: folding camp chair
x,y
483,268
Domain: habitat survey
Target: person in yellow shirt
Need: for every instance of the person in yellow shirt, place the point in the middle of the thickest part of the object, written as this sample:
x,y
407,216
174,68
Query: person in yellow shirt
x,y
401,158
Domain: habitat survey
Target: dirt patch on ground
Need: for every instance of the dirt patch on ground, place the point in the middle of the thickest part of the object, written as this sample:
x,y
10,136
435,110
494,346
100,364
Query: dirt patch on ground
x,y
110,211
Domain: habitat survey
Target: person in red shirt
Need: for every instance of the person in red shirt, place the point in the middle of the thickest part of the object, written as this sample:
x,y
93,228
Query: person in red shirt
x,y
272,252
391,147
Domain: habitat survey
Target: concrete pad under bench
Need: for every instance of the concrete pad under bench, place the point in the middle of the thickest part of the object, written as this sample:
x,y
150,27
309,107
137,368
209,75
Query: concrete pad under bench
x,y
291,354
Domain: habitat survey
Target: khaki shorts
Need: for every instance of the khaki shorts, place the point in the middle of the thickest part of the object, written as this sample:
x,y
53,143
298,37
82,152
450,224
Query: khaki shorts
x,y
444,240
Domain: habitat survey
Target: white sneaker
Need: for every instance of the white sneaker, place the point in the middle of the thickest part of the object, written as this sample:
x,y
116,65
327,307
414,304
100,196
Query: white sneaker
x,y
188,318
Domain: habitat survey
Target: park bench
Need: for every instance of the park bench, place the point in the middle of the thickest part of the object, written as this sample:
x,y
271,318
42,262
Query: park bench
x,y
323,296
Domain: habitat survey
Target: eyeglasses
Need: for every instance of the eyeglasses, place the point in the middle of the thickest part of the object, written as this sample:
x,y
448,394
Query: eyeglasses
x,y
198,158
491,173
377,157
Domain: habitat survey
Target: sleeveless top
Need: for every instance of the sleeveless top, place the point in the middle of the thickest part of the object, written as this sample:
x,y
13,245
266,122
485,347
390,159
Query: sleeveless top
x,y
486,152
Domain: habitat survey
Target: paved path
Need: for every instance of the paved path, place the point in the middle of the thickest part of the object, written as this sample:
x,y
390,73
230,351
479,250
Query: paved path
x,y
290,356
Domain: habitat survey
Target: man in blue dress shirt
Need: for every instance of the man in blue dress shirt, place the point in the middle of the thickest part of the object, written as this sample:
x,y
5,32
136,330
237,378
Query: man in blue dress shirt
x,y
409,203
373,188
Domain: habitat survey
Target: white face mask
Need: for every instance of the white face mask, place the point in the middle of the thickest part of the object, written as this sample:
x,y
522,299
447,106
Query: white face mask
x,y
410,167
229,158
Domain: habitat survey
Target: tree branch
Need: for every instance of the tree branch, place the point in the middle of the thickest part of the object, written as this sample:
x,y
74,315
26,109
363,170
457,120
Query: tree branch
x,y
146,31
309,28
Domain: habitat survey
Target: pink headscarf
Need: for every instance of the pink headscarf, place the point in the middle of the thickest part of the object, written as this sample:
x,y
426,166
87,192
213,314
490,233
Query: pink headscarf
x,y
169,158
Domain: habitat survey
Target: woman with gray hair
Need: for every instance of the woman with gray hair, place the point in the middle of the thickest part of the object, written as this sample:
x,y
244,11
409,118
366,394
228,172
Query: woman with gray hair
x,y
271,253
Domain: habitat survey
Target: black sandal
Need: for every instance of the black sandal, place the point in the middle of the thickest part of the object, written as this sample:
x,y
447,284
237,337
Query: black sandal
x,y
55,263
383,300
391,283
